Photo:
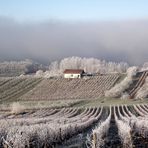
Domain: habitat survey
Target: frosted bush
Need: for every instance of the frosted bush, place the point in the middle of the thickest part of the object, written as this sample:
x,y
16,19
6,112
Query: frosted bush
x,y
49,74
125,96
131,71
118,89
17,108
39,73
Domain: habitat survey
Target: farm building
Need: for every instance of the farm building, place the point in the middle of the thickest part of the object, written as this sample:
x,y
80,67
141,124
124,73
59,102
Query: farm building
x,y
73,73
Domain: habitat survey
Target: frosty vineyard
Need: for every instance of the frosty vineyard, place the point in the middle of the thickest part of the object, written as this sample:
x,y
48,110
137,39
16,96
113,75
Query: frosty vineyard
x,y
88,126
73,74
97,110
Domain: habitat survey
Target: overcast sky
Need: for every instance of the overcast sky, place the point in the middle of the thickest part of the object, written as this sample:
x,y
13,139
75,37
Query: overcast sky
x,y
47,30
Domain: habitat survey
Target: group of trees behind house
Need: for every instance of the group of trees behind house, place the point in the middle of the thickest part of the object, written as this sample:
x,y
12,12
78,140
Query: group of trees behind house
x,y
90,65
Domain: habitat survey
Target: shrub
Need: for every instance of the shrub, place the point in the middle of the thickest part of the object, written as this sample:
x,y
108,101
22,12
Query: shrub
x,y
17,108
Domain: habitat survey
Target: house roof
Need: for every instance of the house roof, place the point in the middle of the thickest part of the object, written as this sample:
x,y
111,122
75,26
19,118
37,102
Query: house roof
x,y
73,71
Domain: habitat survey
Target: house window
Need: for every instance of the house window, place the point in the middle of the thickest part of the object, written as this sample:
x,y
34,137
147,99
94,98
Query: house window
x,y
71,75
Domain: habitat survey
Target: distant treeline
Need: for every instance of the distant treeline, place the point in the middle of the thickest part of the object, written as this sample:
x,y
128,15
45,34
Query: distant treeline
x,y
56,68
16,68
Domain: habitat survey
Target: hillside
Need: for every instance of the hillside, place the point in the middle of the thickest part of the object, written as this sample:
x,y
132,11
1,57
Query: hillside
x,y
43,89
12,88
138,81
54,89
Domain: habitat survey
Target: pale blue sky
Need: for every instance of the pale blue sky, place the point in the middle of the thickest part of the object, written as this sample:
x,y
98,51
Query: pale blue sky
x,y
81,10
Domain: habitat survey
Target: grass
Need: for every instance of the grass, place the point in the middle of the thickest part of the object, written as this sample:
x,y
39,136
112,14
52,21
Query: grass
x,y
43,104
109,101
73,103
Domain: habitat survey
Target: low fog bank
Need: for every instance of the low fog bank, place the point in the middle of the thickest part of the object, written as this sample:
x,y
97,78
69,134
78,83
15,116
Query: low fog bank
x,y
55,40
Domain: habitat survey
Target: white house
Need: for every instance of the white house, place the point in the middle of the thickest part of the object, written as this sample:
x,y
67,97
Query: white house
x,y
73,73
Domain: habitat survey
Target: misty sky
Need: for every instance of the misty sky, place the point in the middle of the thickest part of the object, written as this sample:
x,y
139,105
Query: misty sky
x,y
47,30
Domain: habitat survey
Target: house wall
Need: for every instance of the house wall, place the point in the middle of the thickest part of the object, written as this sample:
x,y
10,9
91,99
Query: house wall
x,y
72,75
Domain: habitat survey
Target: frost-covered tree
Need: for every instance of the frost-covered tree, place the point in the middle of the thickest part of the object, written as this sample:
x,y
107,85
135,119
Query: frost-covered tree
x,y
15,68
90,65
145,66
